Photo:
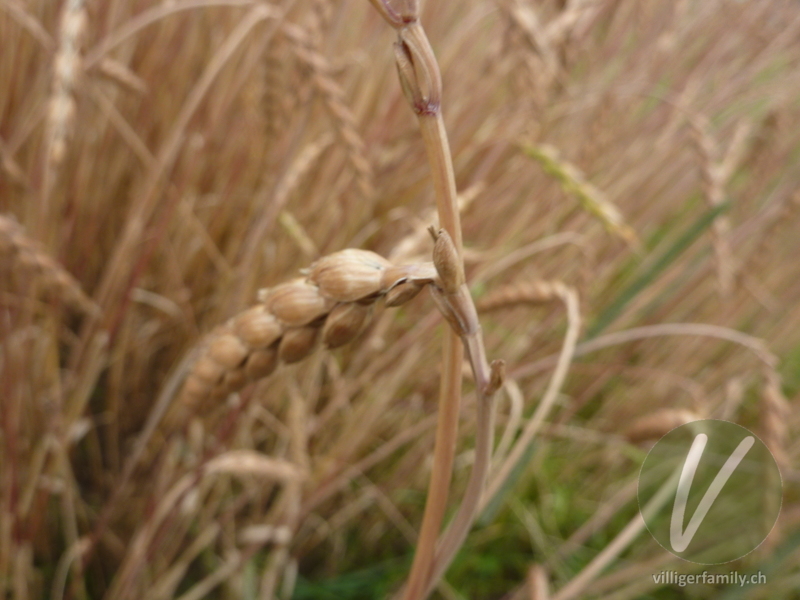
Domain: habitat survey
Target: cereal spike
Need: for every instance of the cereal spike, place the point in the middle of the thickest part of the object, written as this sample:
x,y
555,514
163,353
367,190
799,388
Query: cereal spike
x,y
32,259
591,199
333,303
66,72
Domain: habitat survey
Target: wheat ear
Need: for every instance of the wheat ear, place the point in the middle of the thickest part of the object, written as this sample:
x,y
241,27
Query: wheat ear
x,y
333,96
716,171
21,251
286,324
331,304
524,293
592,199
67,67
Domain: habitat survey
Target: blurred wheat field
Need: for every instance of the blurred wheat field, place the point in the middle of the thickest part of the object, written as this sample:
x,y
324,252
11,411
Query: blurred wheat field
x,y
162,162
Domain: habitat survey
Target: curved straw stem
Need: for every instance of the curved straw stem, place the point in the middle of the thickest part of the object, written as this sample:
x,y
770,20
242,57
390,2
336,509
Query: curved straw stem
x,y
420,80
570,299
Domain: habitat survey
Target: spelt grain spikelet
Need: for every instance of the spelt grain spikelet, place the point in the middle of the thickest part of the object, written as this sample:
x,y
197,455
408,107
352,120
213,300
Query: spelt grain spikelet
x,y
447,262
208,370
261,363
297,302
349,275
344,323
297,343
402,293
257,327
228,350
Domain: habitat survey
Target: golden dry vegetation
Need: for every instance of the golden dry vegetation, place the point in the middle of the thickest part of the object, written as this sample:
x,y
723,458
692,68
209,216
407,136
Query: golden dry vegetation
x,y
628,179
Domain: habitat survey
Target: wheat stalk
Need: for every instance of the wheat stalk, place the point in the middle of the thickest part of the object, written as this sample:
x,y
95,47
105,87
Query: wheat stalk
x,y
235,463
653,426
421,83
775,411
122,75
538,582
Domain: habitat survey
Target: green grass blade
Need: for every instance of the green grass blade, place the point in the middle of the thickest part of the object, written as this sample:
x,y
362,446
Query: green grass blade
x,y
610,314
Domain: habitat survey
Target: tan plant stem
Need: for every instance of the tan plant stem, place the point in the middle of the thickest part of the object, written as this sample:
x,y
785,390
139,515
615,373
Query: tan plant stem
x,y
441,472
421,82
452,296
570,299
459,527
438,148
